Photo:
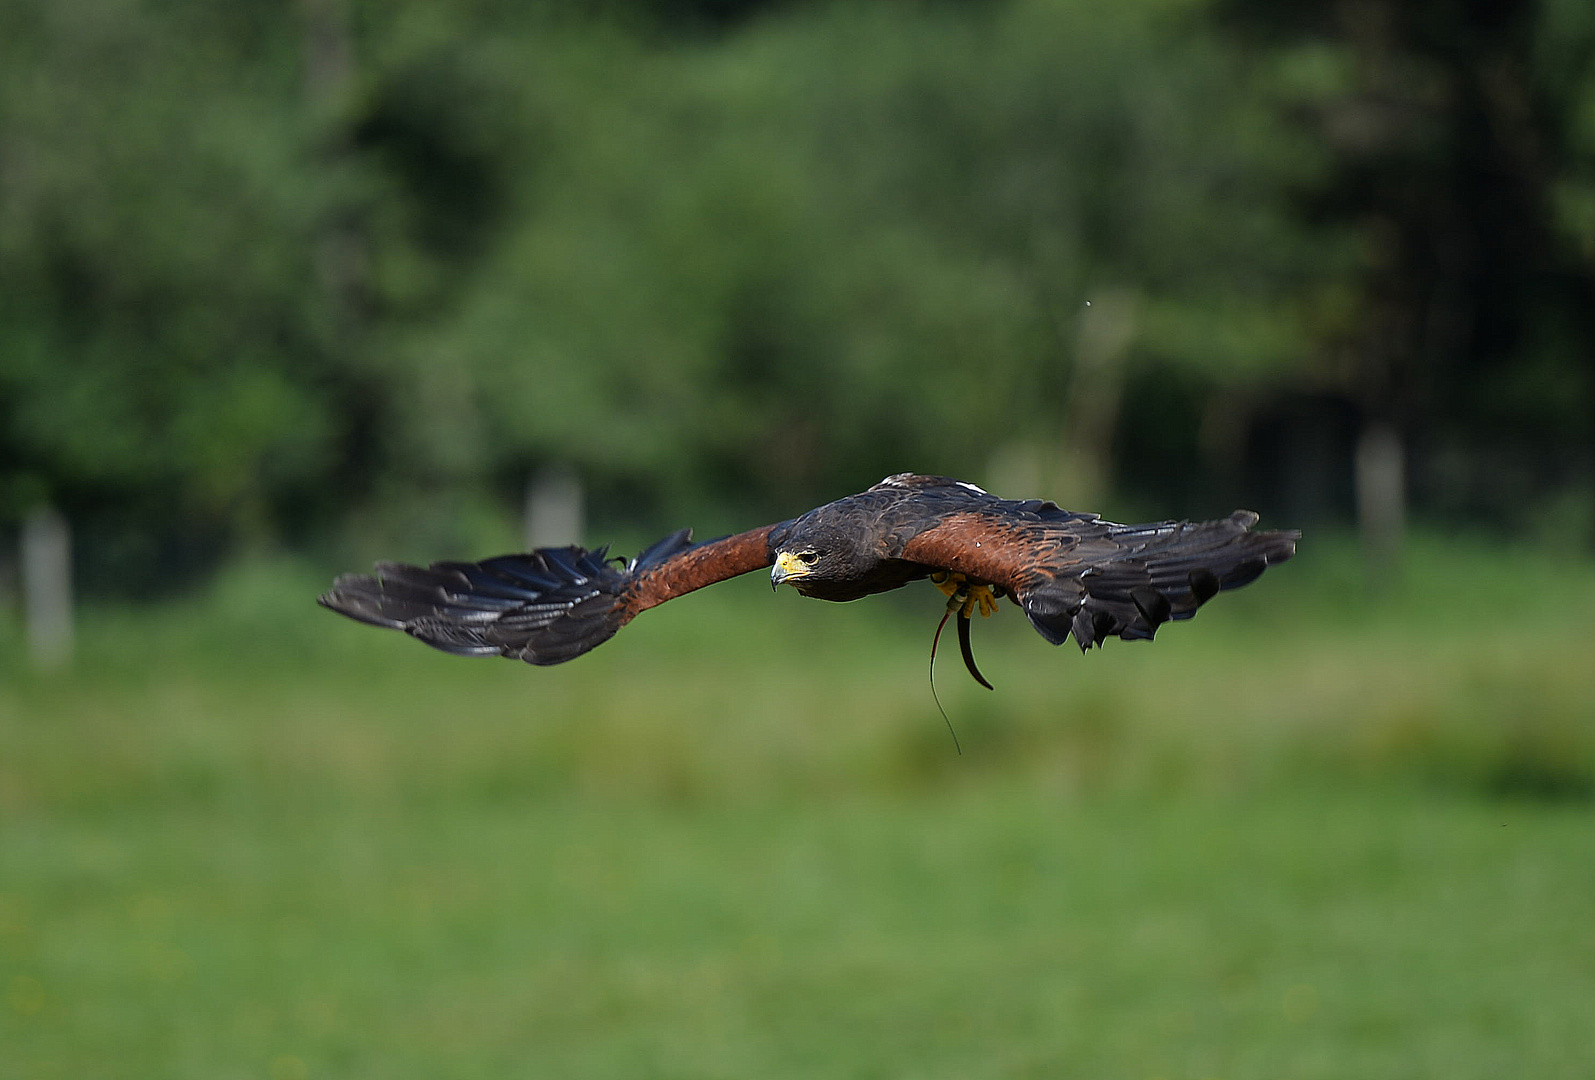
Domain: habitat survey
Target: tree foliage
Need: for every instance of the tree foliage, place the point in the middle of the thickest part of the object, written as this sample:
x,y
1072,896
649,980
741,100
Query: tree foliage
x,y
268,272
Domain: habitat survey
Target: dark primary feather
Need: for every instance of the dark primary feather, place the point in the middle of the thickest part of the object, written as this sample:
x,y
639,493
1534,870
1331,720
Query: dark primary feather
x,y
546,606
1144,576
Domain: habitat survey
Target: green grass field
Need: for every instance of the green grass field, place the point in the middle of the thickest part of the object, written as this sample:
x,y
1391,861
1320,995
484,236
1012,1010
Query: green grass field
x,y
1320,832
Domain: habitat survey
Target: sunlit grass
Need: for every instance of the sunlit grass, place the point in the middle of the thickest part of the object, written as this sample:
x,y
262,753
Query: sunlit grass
x,y
1318,832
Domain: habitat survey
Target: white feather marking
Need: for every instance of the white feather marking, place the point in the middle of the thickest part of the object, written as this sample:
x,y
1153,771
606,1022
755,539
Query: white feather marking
x,y
972,487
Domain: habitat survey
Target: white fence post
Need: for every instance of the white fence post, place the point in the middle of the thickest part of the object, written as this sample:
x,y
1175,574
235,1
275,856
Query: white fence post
x,y
554,508
1381,498
46,559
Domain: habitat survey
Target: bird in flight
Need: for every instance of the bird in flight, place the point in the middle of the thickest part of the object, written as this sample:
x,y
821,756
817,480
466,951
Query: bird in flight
x,y
1071,573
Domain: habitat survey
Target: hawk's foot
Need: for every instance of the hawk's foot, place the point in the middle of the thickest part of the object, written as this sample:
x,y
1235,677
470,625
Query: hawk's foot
x,y
965,596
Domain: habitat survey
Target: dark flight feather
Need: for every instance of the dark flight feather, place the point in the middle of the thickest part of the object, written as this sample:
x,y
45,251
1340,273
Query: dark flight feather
x,y
544,607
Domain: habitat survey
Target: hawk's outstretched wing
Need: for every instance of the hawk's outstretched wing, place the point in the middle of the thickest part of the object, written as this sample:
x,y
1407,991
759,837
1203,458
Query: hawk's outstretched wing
x,y
1076,574
546,606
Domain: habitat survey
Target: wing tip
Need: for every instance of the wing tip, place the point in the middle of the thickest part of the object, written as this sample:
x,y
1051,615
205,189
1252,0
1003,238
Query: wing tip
x,y
481,609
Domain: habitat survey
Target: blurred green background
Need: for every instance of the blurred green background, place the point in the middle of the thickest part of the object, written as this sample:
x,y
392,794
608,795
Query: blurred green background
x,y
287,288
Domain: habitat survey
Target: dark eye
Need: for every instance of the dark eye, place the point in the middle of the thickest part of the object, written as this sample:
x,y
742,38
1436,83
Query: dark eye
x,y
808,557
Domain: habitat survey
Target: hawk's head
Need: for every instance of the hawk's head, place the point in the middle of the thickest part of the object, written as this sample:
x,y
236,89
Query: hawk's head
x,y
815,559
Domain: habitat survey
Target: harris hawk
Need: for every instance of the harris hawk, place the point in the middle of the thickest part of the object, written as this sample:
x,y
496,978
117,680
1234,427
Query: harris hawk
x,y
1071,573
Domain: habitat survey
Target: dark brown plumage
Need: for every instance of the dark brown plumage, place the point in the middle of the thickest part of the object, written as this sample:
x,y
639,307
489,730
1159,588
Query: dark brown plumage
x,y
1071,573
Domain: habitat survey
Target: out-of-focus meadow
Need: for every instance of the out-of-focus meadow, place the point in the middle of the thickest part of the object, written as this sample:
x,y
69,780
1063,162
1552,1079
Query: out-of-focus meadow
x,y
288,289
1309,834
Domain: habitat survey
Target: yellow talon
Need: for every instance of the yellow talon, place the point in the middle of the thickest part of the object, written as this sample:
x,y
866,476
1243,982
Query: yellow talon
x,y
987,600
964,597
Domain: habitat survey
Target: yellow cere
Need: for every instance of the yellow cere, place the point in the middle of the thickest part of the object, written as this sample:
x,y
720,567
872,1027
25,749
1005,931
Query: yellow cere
x,y
790,565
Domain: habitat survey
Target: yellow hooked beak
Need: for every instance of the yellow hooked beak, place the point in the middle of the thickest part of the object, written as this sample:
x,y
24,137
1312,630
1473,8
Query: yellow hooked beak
x,y
787,566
